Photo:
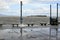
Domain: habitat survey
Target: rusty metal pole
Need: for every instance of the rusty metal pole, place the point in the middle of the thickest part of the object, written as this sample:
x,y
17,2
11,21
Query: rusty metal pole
x,y
50,23
21,18
21,12
50,13
50,10
57,11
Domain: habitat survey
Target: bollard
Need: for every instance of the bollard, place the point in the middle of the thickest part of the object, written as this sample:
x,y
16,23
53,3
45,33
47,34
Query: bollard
x,y
28,25
32,24
41,24
45,24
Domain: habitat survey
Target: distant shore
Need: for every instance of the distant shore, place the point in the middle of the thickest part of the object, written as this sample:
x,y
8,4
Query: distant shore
x,y
30,19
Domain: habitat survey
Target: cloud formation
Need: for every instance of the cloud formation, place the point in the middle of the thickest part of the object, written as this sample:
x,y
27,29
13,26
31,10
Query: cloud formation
x,y
29,6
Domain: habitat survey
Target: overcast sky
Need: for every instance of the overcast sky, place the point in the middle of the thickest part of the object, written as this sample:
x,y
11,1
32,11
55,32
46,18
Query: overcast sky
x,y
30,7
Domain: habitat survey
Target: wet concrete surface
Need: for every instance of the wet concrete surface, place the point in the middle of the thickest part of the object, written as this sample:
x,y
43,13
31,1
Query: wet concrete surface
x,y
28,34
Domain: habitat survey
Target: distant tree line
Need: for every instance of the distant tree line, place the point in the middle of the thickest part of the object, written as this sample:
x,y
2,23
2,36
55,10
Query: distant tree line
x,y
38,16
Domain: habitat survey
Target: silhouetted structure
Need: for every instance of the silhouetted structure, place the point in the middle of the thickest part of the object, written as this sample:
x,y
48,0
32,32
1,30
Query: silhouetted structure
x,y
54,21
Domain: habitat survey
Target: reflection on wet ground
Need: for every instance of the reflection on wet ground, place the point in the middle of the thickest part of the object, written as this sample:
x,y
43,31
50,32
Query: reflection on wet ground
x,y
35,34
